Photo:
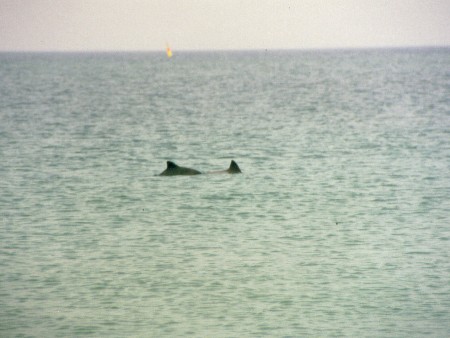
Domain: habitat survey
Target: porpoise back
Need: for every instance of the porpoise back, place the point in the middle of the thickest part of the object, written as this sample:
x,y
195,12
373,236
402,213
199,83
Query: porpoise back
x,y
173,170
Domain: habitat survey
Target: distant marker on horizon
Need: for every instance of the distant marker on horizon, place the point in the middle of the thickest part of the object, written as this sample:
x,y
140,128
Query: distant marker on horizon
x,y
168,51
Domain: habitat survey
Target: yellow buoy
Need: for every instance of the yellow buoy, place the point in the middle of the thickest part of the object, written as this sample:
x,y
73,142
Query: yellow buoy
x,y
168,51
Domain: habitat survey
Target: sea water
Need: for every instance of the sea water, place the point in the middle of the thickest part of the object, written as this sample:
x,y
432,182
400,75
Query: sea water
x,y
338,226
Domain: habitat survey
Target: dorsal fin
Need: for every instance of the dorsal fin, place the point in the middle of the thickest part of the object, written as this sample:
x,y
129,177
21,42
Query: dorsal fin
x,y
171,165
234,168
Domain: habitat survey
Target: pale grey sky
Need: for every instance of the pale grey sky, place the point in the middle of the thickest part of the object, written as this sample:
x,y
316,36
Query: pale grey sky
x,y
75,25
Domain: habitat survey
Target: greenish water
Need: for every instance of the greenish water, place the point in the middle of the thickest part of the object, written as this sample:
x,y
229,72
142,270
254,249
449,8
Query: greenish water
x,y
338,226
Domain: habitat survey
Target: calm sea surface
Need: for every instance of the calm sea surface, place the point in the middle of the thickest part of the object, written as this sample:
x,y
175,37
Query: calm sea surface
x,y
338,226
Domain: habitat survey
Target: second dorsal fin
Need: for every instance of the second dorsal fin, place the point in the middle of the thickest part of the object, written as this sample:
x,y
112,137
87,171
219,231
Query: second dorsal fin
x,y
234,168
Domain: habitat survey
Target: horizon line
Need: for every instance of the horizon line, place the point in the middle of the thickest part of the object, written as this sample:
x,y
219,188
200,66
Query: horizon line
x,y
162,50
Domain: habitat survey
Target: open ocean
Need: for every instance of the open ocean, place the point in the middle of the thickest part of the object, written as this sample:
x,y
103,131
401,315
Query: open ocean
x,y
339,225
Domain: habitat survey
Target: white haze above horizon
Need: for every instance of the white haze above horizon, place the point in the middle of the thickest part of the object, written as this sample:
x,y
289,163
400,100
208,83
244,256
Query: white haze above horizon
x,y
115,25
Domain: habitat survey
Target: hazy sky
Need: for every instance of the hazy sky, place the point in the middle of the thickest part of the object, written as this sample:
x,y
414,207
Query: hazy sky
x,y
221,24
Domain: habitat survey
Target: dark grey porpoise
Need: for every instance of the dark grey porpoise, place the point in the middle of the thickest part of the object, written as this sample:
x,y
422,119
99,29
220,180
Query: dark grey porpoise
x,y
173,169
